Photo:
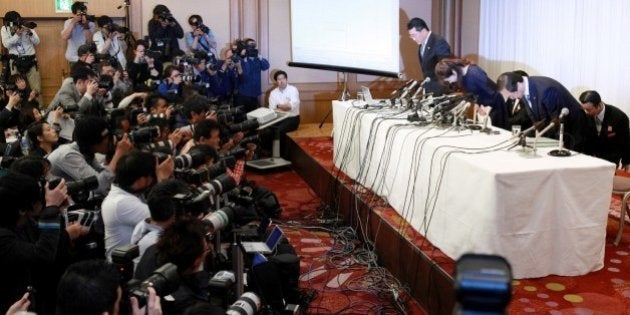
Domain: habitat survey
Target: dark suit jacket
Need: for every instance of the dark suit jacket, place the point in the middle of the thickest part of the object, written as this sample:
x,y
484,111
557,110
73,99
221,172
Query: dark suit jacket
x,y
548,97
612,143
436,49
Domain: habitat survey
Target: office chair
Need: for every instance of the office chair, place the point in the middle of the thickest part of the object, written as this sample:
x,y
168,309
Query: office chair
x,y
621,187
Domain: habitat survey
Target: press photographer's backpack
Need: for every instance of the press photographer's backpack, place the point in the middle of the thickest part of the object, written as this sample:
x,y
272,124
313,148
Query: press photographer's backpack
x,y
266,202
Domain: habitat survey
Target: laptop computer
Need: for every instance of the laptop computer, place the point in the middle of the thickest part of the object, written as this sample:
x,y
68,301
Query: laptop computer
x,y
266,247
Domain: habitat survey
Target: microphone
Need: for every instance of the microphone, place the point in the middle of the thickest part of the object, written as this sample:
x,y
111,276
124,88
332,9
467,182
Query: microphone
x,y
421,88
400,89
563,113
407,90
561,151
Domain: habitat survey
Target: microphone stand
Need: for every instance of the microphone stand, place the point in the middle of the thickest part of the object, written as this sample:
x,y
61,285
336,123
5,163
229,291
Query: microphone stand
x,y
560,151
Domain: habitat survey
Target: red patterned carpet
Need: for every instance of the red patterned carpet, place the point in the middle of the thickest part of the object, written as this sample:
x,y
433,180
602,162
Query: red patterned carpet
x,y
606,291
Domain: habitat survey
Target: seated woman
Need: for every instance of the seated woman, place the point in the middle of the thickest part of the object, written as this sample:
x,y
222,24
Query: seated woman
x,y
43,139
470,78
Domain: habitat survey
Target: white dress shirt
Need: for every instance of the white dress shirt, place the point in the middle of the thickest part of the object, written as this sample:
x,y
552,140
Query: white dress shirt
x,y
289,95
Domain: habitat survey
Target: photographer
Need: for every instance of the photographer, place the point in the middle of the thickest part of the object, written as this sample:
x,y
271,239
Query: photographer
x,y
164,32
75,93
224,77
171,85
17,83
164,212
200,38
76,160
107,40
183,244
143,67
87,57
252,66
30,231
20,39
9,115
122,85
123,207
92,287
77,31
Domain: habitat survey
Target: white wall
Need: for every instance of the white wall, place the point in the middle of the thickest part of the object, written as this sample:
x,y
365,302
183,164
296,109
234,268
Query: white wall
x,y
216,14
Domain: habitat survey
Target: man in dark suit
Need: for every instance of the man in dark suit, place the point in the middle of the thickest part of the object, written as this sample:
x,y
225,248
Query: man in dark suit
x,y
432,48
545,98
607,130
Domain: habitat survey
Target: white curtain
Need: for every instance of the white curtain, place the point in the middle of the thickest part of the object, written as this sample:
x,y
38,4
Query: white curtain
x,y
584,44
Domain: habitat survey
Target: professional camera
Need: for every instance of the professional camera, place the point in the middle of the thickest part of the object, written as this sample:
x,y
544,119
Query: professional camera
x,y
251,51
20,22
248,304
113,27
198,177
231,213
193,159
225,115
105,82
193,203
165,280
89,18
141,135
154,54
113,61
482,284
248,125
24,94
166,15
123,257
78,186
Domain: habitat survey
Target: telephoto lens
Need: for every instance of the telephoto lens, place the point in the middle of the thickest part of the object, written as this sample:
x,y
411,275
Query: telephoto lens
x,y
247,304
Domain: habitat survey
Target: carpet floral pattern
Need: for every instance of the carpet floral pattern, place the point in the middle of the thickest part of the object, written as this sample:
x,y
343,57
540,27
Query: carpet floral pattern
x,y
606,291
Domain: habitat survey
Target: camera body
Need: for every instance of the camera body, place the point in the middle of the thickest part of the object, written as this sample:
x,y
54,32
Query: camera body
x,y
166,15
113,27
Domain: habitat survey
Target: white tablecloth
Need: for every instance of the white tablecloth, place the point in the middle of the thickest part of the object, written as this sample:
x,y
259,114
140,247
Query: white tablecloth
x,y
467,193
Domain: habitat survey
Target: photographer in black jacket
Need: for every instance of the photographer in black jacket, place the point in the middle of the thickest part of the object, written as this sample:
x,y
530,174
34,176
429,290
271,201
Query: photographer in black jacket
x,y
30,230
164,31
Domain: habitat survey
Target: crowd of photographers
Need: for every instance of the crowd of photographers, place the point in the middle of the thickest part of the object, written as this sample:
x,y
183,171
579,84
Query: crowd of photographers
x,y
133,150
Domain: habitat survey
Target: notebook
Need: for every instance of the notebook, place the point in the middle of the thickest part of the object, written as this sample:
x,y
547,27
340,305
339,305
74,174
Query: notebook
x,y
268,246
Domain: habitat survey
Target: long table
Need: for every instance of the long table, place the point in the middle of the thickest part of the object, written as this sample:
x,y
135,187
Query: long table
x,y
466,192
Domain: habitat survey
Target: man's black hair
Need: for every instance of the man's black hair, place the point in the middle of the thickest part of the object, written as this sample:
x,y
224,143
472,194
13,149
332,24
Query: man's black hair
x,y
88,287
88,132
418,24
17,193
160,199
11,16
78,6
132,166
279,72
33,167
204,129
153,99
195,104
590,97
206,150
103,20
82,73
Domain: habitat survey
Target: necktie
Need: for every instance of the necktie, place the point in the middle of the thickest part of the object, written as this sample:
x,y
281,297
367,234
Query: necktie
x,y
598,124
